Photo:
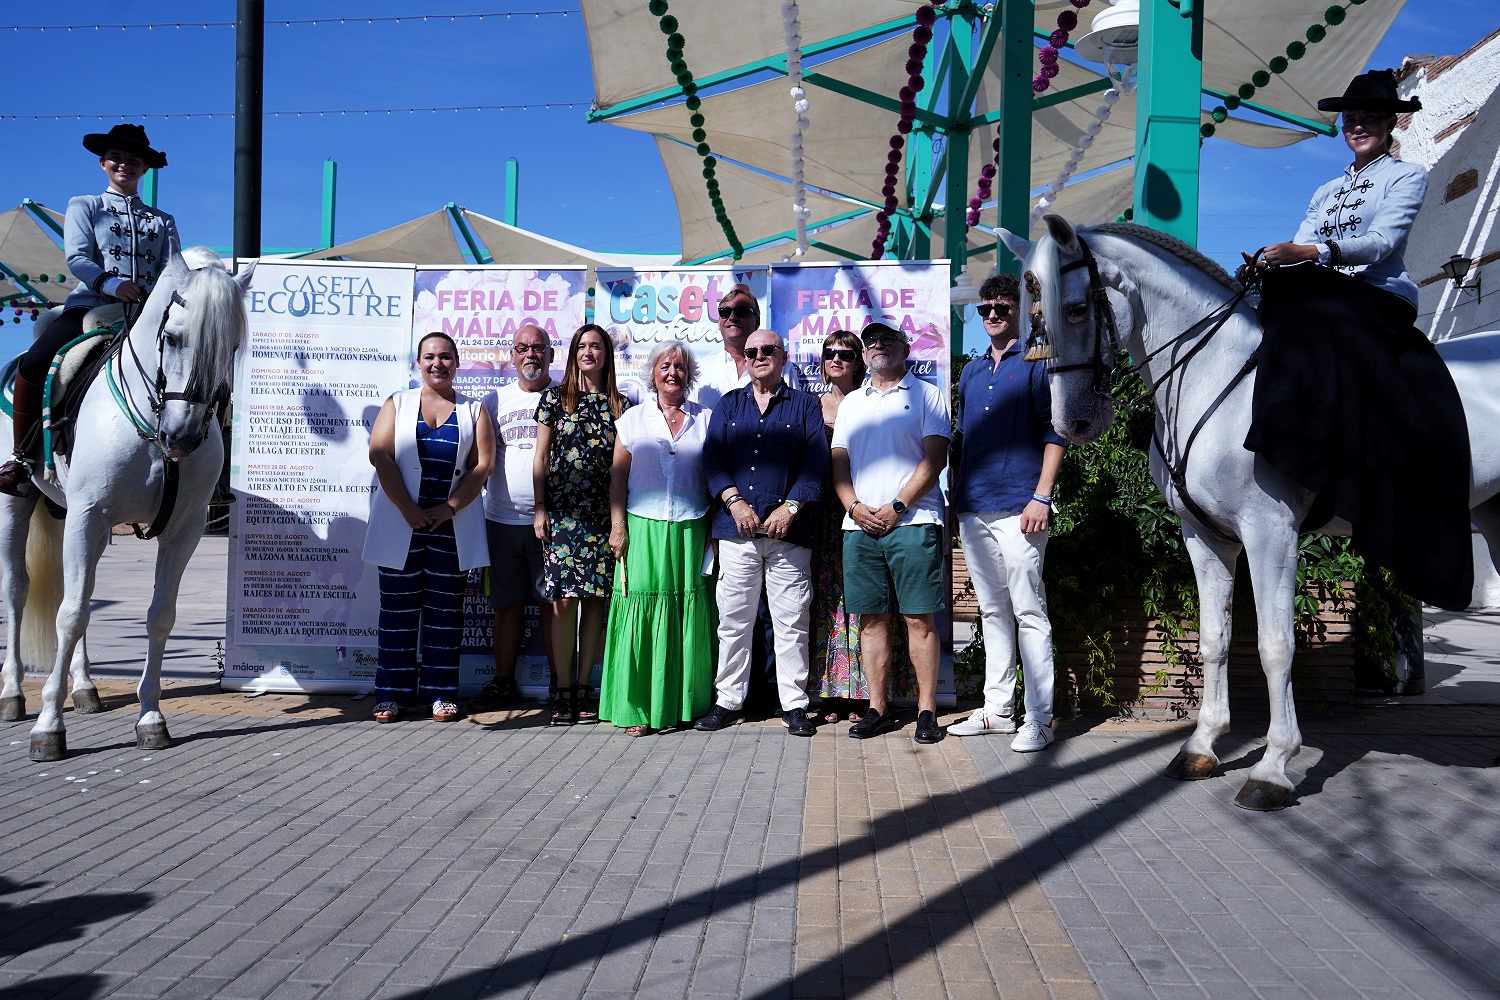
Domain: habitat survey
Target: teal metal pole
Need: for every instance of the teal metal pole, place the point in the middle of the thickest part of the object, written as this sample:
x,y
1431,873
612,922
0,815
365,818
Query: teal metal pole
x,y
512,192
1168,105
1013,185
330,200
148,187
961,42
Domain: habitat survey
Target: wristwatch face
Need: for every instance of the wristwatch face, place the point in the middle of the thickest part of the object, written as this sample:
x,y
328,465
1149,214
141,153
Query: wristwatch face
x,y
898,506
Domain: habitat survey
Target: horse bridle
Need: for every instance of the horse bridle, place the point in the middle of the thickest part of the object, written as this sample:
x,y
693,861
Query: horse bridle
x,y
157,394
1104,374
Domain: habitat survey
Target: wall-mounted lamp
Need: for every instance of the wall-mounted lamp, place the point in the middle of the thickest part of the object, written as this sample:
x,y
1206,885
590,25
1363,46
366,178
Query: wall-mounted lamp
x,y
1457,268
1114,34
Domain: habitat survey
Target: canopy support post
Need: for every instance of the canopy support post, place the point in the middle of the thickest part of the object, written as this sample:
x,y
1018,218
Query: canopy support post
x,y
1169,104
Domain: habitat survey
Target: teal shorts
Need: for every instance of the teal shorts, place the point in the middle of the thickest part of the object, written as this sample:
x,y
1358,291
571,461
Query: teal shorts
x,y
902,572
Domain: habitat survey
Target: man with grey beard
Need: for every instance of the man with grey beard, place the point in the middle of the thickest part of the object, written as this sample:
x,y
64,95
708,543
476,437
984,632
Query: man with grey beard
x,y
509,507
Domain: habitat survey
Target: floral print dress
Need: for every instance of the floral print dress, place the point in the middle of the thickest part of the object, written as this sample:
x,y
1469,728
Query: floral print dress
x,y
578,561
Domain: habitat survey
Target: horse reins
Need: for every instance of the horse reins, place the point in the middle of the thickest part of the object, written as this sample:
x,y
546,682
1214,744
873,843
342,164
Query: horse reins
x,y
1103,380
158,397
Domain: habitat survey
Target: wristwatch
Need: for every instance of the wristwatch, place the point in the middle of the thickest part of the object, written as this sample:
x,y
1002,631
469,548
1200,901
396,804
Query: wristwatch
x,y
898,507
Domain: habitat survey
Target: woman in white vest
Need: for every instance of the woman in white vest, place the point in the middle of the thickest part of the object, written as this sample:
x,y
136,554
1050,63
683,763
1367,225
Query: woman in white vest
x,y
432,450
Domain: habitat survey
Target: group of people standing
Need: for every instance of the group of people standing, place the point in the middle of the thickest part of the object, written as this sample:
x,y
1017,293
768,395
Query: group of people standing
x,y
730,508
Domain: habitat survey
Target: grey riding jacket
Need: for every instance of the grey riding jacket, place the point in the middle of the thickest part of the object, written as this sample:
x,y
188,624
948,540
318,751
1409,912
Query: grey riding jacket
x,y
1359,222
110,239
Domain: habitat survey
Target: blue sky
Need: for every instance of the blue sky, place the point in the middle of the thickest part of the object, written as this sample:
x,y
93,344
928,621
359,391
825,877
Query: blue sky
x,y
594,185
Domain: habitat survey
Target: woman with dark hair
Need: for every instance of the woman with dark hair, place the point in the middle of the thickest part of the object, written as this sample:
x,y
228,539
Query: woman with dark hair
x,y
116,246
575,444
432,448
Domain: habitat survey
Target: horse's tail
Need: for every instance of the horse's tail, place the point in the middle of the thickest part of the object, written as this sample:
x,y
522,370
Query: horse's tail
x,y
44,567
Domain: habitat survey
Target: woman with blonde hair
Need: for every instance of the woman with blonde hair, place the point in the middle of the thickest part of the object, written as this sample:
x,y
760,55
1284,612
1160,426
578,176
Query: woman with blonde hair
x,y
575,445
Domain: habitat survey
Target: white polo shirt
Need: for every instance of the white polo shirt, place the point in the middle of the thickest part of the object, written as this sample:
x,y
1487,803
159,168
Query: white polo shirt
x,y
882,431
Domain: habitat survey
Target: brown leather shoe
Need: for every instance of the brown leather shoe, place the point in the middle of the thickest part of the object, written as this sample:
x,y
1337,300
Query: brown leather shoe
x,y
15,478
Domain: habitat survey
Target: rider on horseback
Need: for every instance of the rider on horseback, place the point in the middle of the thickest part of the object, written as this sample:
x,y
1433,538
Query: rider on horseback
x,y
116,247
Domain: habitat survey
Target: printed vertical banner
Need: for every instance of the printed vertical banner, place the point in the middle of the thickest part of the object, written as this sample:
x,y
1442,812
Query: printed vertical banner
x,y
482,307
642,308
327,343
811,300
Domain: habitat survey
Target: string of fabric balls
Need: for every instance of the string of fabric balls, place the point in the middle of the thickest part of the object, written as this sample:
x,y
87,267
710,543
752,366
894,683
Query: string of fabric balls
x,y
792,26
1334,16
289,22
916,58
675,58
1067,20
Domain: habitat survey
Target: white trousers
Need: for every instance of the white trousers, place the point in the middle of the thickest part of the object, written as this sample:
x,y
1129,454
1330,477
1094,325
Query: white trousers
x,y
785,570
1006,567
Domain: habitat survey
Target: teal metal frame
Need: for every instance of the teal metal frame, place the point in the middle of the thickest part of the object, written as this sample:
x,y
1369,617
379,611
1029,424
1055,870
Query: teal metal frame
x,y
330,201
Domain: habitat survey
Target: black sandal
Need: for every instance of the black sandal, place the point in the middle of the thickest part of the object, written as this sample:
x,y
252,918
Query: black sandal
x,y
582,713
565,707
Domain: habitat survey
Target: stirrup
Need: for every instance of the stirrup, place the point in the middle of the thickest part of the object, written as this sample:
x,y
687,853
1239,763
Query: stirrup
x,y
15,477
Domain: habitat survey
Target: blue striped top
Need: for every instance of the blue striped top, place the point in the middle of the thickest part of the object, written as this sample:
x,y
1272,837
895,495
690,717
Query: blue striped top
x,y
437,447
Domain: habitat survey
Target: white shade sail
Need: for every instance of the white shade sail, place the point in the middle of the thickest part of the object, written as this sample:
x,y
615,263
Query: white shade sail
x,y
28,249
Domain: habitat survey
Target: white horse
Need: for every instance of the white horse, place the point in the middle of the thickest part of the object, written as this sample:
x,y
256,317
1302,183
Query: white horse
x,y
1159,291
150,410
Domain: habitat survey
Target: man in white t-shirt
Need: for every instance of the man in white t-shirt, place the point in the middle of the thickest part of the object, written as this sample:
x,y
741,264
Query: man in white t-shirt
x,y
509,509
739,317
890,443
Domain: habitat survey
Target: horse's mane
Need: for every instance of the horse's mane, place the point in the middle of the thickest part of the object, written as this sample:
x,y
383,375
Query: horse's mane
x,y
1186,252
216,318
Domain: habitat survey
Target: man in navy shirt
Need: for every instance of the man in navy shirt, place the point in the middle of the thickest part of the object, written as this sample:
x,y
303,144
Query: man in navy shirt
x,y
765,458
1006,457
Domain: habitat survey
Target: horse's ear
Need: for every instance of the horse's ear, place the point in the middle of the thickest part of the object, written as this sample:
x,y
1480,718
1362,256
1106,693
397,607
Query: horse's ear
x,y
243,278
1018,245
1062,234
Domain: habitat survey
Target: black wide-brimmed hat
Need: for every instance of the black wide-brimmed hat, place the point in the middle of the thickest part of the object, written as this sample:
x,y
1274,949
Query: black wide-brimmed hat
x,y
127,139
1372,91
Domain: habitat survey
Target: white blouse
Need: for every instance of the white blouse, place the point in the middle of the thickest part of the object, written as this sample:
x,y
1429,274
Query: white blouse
x,y
666,475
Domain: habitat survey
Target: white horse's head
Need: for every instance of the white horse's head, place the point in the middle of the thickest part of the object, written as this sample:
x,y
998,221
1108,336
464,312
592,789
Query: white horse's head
x,y
1058,298
196,316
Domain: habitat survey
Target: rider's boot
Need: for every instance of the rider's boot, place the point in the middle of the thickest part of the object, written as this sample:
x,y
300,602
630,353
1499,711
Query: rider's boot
x,y
15,475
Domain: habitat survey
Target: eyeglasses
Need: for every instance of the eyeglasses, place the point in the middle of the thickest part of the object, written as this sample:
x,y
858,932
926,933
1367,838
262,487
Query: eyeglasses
x,y
739,312
999,310
883,340
843,354
768,352
530,348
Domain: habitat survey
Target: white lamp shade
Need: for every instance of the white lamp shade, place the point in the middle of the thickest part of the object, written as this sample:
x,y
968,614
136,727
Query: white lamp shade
x,y
1114,35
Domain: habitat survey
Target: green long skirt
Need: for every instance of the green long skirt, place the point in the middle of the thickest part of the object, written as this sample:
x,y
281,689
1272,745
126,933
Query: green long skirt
x,y
659,652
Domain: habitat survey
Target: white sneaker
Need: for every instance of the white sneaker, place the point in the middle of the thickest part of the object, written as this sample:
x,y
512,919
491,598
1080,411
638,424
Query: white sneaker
x,y
981,723
1033,736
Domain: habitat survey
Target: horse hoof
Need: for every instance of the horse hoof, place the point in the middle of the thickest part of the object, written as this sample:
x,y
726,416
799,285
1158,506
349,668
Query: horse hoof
x,y
152,737
87,702
1261,796
12,709
49,746
1191,766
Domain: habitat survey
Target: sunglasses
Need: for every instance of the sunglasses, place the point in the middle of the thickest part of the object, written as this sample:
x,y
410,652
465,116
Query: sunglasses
x,y
998,310
740,312
843,354
768,352
883,340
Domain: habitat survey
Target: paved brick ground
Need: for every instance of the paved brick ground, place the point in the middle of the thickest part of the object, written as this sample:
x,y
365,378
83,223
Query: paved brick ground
x,y
1381,879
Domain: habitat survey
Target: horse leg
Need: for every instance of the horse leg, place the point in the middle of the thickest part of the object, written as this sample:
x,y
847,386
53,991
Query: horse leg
x,y
86,700
1273,576
15,520
1213,565
172,555
83,544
